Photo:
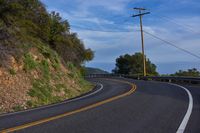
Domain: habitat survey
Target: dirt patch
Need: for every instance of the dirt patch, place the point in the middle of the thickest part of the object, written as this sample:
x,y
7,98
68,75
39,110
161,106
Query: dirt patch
x,y
13,90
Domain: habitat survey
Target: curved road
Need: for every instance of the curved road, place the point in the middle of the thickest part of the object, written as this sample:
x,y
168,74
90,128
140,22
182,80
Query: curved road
x,y
115,107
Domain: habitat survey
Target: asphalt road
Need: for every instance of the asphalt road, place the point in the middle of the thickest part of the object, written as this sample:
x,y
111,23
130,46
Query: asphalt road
x,y
153,108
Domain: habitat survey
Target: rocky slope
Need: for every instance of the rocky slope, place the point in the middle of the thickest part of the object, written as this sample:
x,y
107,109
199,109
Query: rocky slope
x,y
40,60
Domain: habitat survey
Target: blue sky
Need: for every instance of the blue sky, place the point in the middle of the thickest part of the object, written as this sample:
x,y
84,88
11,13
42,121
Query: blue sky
x,y
116,32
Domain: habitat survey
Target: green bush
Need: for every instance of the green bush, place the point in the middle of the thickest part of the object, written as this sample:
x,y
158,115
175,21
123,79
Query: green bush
x,y
29,62
50,54
27,24
18,108
44,66
70,66
86,86
59,87
12,71
55,62
42,91
45,50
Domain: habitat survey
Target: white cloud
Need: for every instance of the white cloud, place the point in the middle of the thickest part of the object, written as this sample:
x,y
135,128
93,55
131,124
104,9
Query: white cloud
x,y
109,45
117,5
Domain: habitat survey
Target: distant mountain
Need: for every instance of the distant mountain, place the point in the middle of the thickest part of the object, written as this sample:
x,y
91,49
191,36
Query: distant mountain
x,y
90,70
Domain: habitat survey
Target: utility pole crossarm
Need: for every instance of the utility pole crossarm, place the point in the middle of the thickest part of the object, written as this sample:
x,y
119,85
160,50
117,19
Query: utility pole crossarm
x,y
137,8
141,14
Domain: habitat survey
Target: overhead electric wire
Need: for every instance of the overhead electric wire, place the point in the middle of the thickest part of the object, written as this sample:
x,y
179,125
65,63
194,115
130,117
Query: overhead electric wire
x,y
185,26
152,35
188,27
174,21
172,44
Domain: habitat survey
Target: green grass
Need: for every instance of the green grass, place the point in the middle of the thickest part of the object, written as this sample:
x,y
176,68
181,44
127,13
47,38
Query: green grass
x,y
47,52
18,108
29,62
59,87
70,66
1,110
86,86
74,72
12,71
57,76
44,67
42,91
55,62
69,93
1,23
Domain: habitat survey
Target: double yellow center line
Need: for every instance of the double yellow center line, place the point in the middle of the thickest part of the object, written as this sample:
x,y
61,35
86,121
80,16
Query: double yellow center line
x,y
75,111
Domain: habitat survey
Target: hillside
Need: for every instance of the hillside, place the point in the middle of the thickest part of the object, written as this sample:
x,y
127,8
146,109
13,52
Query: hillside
x,y
40,58
90,70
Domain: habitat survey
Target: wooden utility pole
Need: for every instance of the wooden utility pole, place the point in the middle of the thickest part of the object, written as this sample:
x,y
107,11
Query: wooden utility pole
x,y
141,14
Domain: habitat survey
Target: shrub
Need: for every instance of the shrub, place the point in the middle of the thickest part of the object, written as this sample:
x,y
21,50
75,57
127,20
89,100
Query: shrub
x,y
12,71
44,65
29,62
42,91
18,108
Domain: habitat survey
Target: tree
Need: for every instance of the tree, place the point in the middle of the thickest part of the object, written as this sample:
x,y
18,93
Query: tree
x,y
89,54
133,64
9,8
27,23
36,17
189,73
58,29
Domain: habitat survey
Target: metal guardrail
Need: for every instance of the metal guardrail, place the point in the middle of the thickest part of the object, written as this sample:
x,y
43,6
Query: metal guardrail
x,y
187,80
191,80
103,75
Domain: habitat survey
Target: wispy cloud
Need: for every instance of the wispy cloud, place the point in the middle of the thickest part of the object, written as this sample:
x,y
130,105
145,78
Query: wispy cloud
x,y
100,15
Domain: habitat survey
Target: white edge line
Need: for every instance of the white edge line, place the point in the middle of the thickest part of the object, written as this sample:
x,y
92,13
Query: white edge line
x,y
186,118
47,106
90,94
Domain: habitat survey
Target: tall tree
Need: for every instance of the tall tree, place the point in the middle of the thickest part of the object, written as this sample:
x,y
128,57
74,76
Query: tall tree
x,y
132,64
27,22
58,29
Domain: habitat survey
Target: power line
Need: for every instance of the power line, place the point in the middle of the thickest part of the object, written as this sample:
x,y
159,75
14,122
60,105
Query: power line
x,y
188,27
172,44
174,21
152,35
185,26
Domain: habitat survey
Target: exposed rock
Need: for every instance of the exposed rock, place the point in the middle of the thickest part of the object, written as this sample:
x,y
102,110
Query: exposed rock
x,y
13,90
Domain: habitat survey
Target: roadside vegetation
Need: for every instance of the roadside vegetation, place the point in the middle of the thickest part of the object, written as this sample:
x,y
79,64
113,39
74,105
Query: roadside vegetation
x,y
187,73
41,60
133,65
90,70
